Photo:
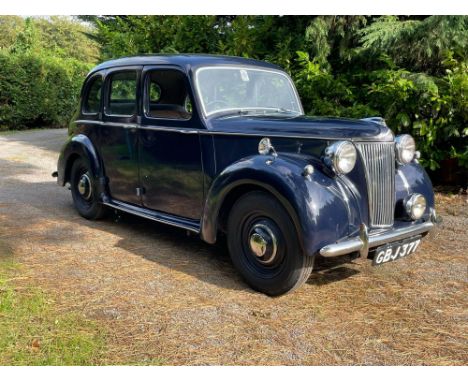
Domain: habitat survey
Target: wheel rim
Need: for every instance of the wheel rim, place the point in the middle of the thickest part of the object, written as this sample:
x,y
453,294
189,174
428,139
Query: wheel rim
x,y
263,243
84,187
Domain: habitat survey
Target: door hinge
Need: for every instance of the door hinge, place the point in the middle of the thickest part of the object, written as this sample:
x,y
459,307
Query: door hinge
x,y
140,191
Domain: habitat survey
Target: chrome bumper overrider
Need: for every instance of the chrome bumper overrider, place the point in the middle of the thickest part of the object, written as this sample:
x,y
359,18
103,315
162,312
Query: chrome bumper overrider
x,y
364,241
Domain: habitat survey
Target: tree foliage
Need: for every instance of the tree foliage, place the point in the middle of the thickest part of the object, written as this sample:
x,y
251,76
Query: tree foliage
x,y
420,45
56,36
42,65
412,70
10,27
37,91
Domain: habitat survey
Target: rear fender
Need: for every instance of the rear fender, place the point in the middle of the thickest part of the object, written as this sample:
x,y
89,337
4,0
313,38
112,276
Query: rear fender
x,y
78,146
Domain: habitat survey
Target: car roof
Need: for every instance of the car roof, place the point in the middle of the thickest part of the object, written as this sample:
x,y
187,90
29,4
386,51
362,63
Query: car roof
x,y
187,61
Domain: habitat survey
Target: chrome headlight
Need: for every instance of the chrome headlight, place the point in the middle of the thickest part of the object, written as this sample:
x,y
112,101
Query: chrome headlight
x,y
415,206
341,157
405,148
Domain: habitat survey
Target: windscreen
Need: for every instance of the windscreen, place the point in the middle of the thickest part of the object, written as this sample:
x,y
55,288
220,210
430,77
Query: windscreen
x,y
240,89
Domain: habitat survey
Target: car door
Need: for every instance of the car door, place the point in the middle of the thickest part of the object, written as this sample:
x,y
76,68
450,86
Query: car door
x,y
119,133
170,160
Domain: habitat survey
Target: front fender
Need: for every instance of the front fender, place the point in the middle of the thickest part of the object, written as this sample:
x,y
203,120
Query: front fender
x,y
315,203
78,145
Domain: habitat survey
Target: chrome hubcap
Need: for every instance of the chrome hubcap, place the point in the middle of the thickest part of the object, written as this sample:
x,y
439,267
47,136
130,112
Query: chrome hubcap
x,y
84,186
258,244
263,243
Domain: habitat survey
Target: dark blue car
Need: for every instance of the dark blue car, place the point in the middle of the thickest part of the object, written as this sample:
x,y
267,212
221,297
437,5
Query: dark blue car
x,y
220,145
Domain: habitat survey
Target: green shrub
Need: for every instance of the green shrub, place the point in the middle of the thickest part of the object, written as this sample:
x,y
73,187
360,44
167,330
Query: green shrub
x,y
38,90
432,109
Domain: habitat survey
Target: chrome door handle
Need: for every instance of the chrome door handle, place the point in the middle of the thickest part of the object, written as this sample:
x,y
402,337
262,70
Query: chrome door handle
x,y
132,128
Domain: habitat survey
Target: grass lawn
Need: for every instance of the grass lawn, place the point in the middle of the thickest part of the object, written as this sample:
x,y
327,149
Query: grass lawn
x,y
33,332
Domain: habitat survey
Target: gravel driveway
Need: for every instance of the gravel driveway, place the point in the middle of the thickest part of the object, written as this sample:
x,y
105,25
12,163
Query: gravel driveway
x,y
165,296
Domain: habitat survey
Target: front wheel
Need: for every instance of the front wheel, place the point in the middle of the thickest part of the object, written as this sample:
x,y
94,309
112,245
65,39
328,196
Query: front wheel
x,y
84,191
264,247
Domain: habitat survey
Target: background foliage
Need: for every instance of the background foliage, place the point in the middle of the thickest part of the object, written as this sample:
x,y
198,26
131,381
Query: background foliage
x,y
42,66
410,70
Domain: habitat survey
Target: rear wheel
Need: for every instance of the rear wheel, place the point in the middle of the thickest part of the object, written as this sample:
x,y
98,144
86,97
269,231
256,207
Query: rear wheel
x,y
84,191
264,247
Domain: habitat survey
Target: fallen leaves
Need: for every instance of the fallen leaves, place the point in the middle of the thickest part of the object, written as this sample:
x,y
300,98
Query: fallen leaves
x,y
36,344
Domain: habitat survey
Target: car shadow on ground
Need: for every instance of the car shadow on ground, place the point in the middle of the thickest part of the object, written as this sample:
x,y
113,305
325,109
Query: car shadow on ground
x,y
168,246
325,270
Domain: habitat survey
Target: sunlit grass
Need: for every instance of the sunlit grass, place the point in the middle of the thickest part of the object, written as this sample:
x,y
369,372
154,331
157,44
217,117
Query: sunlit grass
x,y
33,332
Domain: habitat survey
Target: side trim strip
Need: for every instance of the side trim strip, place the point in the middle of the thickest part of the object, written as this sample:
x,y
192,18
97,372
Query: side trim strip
x,y
212,132
175,221
142,127
170,129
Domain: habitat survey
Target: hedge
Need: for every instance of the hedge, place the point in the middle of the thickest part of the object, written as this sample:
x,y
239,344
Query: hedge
x,y
37,90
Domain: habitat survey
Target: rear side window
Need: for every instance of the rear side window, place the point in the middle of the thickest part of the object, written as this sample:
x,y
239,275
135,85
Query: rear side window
x,y
92,99
122,94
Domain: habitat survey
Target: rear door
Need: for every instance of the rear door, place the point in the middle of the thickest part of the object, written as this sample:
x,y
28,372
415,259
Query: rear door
x,y
119,133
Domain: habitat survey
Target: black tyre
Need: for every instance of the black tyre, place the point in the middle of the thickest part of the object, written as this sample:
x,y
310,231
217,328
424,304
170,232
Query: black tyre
x,y
84,191
263,245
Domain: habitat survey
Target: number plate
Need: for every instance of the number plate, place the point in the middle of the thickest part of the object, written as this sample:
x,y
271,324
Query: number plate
x,y
395,251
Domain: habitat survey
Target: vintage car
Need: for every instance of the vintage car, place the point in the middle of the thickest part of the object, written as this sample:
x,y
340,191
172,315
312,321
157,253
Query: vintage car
x,y
220,145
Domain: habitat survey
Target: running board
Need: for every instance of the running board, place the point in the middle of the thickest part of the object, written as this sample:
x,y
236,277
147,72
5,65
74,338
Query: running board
x,y
175,221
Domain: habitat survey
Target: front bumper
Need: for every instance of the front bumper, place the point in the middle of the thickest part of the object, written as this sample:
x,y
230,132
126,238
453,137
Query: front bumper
x,y
365,241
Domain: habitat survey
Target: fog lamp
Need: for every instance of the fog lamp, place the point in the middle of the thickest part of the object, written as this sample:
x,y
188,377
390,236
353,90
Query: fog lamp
x,y
415,206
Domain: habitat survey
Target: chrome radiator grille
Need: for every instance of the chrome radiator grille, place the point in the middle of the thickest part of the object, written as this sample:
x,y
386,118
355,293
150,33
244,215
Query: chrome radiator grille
x,y
379,163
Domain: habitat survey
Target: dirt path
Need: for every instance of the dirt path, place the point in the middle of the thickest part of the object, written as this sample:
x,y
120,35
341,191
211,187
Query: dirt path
x,y
168,297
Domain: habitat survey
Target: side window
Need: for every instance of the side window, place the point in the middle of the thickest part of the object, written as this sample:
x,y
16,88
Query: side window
x,y
122,94
92,98
166,95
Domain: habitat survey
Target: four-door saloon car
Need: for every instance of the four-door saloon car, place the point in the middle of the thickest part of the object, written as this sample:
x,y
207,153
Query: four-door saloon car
x,y
220,145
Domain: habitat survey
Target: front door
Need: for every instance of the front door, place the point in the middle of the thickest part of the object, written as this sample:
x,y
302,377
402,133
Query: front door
x,y
170,161
119,134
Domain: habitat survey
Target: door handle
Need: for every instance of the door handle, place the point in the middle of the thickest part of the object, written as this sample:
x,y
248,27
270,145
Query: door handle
x,y
131,128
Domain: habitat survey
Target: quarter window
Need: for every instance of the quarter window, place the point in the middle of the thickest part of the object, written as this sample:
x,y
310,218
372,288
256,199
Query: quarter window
x,y
92,99
122,94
